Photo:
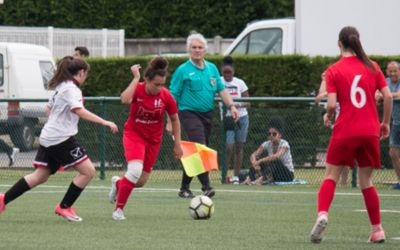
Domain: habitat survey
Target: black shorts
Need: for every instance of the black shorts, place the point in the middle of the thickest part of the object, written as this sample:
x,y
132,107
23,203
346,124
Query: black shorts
x,y
65,155
197,125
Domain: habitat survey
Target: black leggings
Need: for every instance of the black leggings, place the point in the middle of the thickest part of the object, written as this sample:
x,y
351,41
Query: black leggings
x,y
197,126
274,171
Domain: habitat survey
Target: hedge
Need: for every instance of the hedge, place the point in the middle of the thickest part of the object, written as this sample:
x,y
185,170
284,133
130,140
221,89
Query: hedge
x,y
144,18
288,75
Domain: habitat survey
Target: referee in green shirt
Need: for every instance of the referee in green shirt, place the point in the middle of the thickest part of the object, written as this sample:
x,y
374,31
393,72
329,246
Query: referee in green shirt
x,y
194,85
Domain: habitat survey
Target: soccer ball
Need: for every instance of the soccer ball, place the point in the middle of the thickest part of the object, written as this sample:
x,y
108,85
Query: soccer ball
x,y
201,207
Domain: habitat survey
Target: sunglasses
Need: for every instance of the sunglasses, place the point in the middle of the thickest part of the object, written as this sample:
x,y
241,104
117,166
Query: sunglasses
x,y
197,47
272,134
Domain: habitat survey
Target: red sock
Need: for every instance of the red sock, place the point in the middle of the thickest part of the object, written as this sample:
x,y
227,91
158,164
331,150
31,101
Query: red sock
x,y
371,200
325,195
125,188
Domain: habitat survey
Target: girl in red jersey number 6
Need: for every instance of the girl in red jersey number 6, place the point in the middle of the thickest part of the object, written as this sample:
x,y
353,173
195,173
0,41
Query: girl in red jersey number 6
x,y
144,129
352,82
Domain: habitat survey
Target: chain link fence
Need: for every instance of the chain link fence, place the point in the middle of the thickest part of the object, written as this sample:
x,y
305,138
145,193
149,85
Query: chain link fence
x,y
302,128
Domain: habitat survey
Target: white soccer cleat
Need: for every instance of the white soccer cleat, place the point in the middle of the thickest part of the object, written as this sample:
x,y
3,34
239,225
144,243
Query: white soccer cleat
x,y
118,214
13,156
317,232
377,236
112,196
235,180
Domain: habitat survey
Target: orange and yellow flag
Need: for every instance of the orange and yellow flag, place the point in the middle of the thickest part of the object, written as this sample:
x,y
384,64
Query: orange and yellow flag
x,y
198,158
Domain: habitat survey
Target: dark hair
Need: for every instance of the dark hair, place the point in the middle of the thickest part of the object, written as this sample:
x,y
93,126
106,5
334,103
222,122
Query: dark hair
x,y
156,67
227,61
276,123
82,50
350,39
67,68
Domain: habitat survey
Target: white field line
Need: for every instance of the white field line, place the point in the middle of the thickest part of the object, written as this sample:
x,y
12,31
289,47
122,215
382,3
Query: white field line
x,y
167,190
382,211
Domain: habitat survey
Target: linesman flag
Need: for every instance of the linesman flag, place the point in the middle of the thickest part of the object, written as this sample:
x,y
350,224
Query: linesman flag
x,y
198,158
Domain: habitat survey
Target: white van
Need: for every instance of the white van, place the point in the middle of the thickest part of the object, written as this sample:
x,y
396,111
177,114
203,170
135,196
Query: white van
x,y
315,28
25,70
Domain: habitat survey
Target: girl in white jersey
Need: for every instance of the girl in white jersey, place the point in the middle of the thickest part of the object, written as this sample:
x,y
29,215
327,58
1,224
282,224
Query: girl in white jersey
x,y
58,146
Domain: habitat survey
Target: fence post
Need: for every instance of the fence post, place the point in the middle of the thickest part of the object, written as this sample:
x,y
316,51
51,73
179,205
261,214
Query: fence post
x,y
222,150
102,139
121,43
50,38
354,176
104,43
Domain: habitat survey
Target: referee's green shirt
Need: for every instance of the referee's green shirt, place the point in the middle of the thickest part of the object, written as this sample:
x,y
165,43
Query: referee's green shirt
x,y
194,88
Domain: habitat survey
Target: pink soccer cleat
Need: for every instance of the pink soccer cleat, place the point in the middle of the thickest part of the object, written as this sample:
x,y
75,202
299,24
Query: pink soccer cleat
x,y
67,213
317,232
377,236
2,204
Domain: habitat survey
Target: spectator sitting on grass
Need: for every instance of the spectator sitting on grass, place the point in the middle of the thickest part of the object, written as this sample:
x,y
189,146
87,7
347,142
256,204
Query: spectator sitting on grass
x,y
278,165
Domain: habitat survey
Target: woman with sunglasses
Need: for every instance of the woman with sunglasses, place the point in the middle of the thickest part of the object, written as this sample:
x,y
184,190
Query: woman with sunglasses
x,y
277,165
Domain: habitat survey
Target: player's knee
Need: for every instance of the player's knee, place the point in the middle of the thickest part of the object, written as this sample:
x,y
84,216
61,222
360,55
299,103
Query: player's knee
x,y
92,173
134,171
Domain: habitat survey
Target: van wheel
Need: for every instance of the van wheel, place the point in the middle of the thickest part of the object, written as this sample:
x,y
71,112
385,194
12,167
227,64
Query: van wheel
x,y
23,136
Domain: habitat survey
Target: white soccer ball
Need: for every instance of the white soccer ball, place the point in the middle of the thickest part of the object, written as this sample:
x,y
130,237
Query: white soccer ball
x,y
201,207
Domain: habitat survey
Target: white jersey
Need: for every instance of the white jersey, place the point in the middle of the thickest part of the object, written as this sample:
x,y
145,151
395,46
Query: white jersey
x,y
235,88
62,123
286,158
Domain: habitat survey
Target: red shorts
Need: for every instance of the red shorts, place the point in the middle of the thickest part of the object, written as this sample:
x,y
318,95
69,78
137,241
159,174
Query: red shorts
x,y
364,149
137,148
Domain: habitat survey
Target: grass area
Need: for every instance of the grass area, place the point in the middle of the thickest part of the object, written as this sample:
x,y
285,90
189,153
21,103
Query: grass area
x,y
246,217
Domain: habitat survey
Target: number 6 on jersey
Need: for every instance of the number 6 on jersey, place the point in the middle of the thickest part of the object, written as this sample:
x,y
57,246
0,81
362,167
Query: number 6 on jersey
x,y
353,93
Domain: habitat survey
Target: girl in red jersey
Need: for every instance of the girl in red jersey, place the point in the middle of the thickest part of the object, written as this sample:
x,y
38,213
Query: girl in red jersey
x,y
352,82
143,130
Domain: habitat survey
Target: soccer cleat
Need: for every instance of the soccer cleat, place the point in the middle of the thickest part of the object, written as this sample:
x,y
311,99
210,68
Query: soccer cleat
x,y
377,236
13,156
112,196
235,180
185,193
118,214
210,192
317,232
2,204
67,213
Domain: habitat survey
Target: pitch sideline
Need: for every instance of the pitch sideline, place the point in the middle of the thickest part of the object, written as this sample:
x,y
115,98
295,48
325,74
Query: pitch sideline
x,y
166,190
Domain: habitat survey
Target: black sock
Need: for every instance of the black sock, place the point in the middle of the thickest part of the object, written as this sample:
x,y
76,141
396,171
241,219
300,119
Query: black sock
x,y
204,180
70,197
185,184
17,190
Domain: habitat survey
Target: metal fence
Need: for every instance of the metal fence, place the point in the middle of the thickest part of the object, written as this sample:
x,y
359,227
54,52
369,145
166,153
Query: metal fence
x,y
61,42
303,129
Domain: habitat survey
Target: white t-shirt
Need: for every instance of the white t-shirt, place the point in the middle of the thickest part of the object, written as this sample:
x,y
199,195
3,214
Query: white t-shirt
x,y
286,158
62,123
235,87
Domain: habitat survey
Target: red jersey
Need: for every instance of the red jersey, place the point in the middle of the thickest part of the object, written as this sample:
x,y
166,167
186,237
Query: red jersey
x,y
146,115
355,85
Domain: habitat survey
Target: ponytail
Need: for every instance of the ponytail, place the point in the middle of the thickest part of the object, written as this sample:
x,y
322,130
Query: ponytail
x,y
350,39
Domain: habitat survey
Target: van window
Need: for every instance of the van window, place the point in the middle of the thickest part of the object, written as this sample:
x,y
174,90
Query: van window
x,y
1,70
47,70
263,41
